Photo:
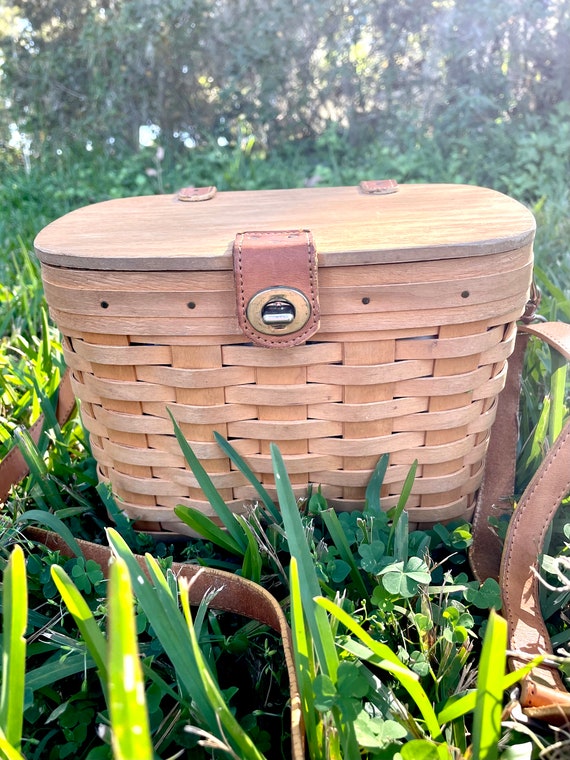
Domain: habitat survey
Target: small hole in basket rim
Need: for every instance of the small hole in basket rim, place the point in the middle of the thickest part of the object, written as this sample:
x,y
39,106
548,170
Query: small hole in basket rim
x,y
366,300
191,305
104,304
465,294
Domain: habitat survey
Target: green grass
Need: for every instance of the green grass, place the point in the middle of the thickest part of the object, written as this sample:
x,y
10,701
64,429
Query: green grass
x,y
409,591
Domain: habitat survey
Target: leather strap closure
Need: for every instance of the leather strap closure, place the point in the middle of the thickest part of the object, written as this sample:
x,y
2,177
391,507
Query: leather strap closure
x,y
276,287
195,194
379,186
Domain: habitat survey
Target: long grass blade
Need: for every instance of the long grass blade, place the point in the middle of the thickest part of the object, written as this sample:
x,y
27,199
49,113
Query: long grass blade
x,y
338,537
458,706
533,449
7,752
317,620
387,660
305,666
372,494
207,528
48,674
130,730
46,347
210,491
51,522
164,616
555,293
38,468
557,394
489,703
15,620
400,506
170,625
243,745
247,472
84,619
252,559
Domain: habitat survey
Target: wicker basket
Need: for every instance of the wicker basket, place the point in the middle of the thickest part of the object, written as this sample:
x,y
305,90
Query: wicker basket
x,y
403,350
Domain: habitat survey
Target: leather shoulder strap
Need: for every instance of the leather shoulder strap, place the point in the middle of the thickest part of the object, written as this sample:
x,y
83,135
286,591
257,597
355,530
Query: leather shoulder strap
x,y
556,334
543,695
523,545
494,498
500,464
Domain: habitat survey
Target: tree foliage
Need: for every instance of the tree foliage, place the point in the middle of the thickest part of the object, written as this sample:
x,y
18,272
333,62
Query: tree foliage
x,y
95,70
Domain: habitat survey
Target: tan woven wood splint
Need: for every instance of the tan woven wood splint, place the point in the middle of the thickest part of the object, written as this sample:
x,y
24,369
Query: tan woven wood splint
x,y
338,323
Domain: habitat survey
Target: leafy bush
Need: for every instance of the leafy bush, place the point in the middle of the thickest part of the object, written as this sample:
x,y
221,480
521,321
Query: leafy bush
x,y
277,70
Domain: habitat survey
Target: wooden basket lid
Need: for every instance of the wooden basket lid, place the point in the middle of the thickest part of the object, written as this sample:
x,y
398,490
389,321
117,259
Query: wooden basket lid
x,y
416,223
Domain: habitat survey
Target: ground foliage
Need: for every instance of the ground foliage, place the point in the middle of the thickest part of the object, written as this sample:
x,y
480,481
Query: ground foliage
x,y
433,92
437,633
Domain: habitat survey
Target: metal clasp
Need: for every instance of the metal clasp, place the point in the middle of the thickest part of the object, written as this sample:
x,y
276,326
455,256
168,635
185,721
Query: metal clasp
x,y
278,311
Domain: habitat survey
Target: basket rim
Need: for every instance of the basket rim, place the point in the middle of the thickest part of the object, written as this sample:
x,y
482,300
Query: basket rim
x,y
418,223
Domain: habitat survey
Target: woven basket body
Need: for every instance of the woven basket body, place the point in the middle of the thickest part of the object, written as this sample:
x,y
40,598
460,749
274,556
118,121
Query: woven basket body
x,y
419,294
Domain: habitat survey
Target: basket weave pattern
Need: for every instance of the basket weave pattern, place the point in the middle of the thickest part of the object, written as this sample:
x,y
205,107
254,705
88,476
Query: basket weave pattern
x,y
409,360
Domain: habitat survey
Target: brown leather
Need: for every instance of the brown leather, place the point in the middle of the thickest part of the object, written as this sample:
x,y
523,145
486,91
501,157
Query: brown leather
x,y
498,485
543,694
545,703
193,194
234,594
556,334
494,498
13,467
277,259
379,186
523,545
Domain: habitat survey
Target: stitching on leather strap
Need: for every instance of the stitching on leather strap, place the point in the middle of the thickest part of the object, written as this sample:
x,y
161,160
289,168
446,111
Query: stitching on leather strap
x,y
259,268
535,506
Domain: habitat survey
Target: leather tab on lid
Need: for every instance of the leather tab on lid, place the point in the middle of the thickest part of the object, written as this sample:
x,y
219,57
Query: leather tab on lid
x,y
276,287
196,193
379,186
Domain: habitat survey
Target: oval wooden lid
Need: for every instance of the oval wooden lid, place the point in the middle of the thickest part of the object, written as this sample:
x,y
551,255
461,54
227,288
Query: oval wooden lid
x,y
417,223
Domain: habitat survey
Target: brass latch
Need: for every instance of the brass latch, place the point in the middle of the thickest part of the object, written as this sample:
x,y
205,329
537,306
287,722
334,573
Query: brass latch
x,y
276,286
278,311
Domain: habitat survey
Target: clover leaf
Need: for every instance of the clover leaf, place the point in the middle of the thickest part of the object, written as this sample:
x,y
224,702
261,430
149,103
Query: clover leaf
x,y
375,732
485,596
404,578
